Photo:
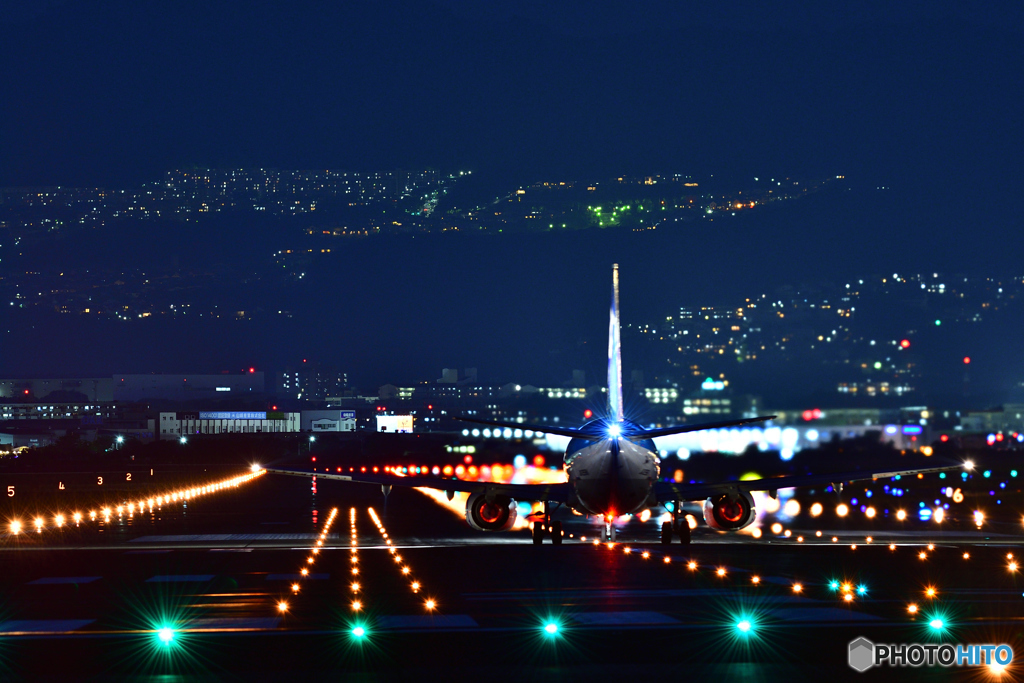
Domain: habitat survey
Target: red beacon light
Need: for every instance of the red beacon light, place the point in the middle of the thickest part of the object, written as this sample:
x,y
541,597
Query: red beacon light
x,y
967,360
905,343
588,413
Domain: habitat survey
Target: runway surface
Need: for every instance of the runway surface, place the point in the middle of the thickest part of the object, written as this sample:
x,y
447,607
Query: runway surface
x,y
91,602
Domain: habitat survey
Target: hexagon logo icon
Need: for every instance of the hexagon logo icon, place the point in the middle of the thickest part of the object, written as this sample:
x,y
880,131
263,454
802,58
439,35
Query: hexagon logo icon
x,y
862,654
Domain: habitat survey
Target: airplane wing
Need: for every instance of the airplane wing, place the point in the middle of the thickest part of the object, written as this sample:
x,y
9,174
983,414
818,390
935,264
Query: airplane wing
x,y
671,491
682,429
559,492
544,429
632,434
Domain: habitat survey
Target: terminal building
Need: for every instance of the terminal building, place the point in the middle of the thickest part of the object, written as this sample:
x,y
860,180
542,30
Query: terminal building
x,y
178,424
328,420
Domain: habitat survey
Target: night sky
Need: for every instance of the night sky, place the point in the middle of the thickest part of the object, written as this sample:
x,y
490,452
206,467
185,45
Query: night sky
x,y
120,94
923,98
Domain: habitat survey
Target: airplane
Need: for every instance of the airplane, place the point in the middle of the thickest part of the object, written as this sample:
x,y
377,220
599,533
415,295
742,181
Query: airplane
x,y
612,468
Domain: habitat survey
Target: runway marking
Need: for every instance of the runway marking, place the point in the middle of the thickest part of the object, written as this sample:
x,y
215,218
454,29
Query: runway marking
x,y
223,538
622,618
146,552
606,593
821,614
180,578
25,626
63,579
232,624
426,621
297,577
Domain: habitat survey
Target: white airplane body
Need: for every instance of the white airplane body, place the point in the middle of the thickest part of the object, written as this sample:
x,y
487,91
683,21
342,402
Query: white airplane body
x,y
612,469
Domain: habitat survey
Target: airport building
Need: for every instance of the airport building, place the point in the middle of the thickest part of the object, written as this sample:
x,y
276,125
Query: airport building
x,y
328,420
83,389
178,424
188,387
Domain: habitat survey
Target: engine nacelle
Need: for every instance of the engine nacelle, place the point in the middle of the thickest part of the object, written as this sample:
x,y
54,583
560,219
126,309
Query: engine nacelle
x,y
730,511
497,514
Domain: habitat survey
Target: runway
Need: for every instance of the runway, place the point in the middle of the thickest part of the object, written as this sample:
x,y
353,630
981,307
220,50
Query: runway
x,y
94,605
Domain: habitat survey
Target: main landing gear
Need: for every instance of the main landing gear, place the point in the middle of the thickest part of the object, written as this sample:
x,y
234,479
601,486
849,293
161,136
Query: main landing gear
x,y
541,529
608,532
679,526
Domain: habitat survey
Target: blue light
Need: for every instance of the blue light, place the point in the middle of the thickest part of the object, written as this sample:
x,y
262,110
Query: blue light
x,y
834,585
988,473
862,590
912,429
942,475
614,431
1013,473
924,514
744,626
868,494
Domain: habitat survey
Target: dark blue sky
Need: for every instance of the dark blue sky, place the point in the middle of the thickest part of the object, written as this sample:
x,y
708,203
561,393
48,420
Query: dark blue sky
x,y
915,93
921,97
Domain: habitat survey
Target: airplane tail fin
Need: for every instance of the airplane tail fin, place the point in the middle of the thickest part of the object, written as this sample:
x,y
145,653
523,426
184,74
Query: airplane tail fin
x,y
614,354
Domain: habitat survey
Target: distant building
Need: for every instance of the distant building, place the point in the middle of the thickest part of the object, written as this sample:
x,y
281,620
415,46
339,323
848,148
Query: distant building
x,y
311,381
1007,418
328,420
90,389
188,387
178,424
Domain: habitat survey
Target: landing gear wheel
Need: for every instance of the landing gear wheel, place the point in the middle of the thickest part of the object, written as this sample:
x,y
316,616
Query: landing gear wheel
x,y
666,532
604,534
538,533
556,533
684,532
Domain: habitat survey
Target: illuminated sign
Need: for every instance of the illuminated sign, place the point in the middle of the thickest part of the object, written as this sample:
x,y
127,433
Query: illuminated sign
x,y
348,415
912,429
223,388
394,423
248,415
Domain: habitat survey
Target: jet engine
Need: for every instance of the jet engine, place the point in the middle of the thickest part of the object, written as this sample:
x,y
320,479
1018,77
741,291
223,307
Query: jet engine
x,y
730,511
497,514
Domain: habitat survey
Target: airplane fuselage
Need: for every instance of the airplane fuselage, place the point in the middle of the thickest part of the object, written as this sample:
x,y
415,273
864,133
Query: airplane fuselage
x,y
612,476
